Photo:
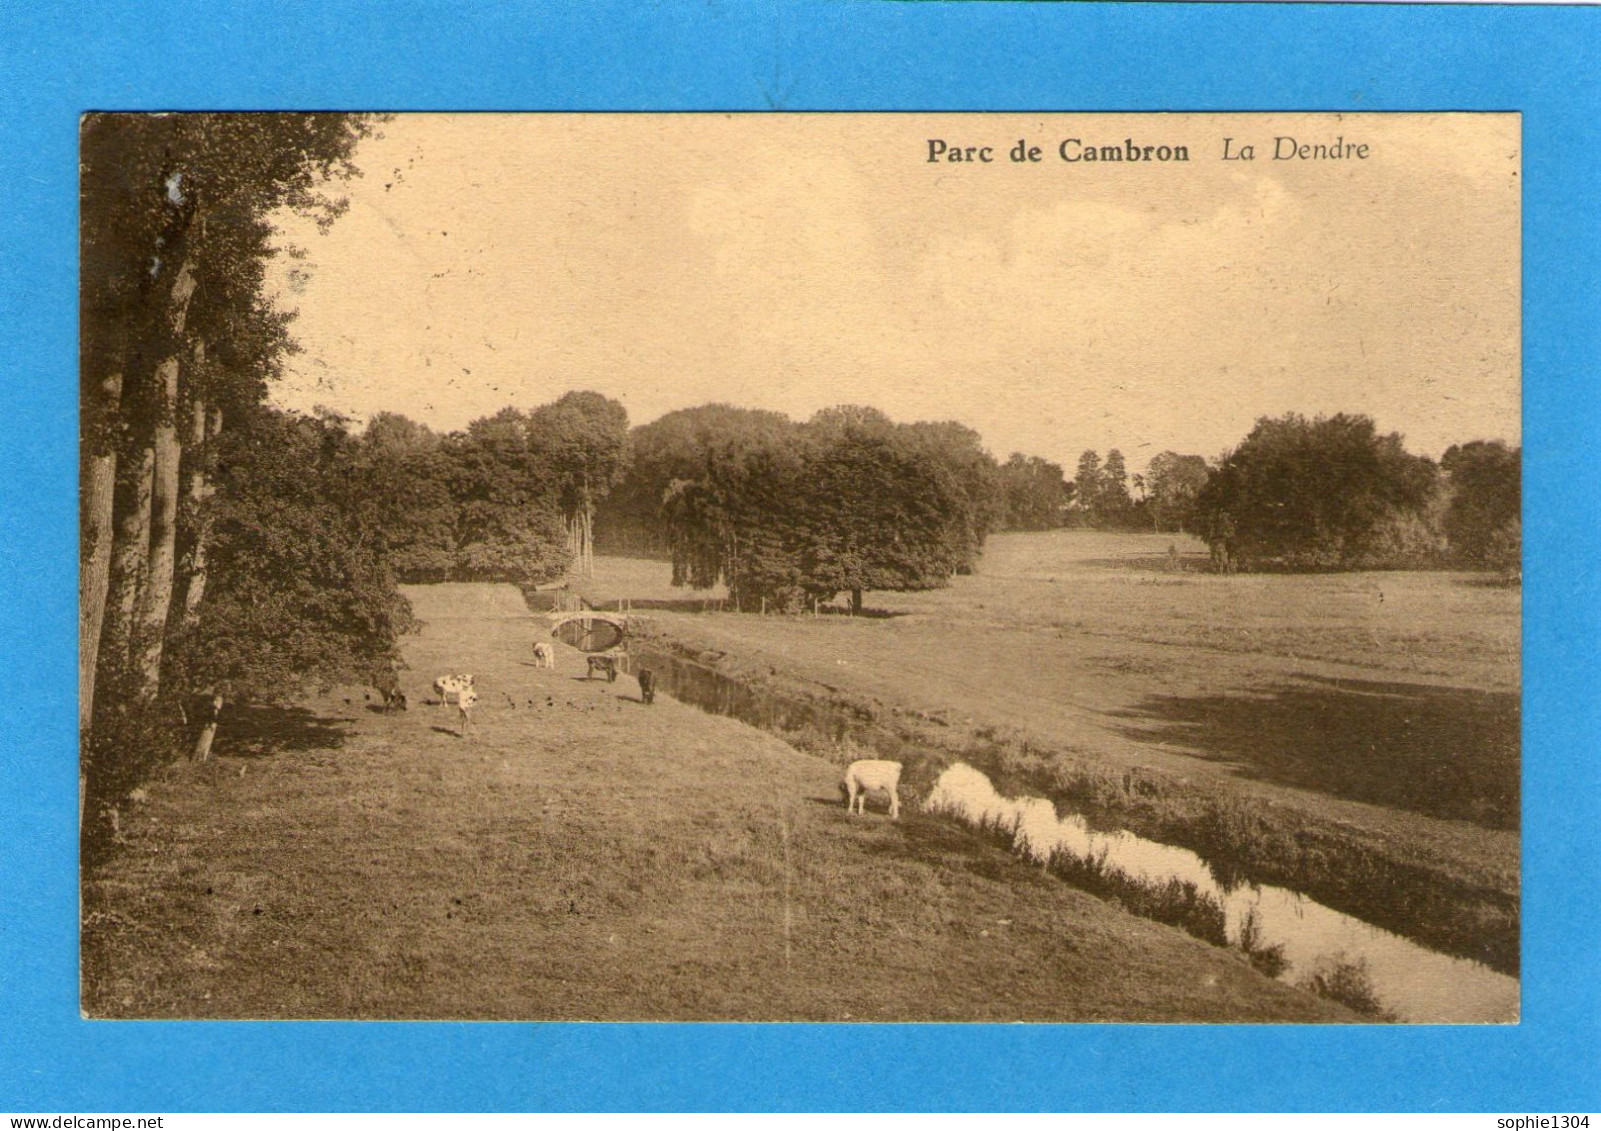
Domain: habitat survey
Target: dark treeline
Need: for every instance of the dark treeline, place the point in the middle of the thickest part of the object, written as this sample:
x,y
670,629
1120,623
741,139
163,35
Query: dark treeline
x,y
787,513
1334,493
704,444
512,498
213,555
756,500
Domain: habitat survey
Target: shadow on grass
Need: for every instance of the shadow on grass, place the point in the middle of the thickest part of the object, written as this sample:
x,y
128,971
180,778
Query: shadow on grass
x,y
1440,751
677,604
714,605
1151,563
1490,581
257,730
919,840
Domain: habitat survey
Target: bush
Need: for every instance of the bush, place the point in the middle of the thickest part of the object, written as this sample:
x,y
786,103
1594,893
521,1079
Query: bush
x,y
1504,548
521,557
1269,960
1482,520
1349,983
1321,494
1401,540
126,746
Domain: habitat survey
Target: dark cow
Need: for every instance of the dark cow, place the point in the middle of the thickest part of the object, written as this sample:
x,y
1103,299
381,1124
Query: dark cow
x,y
607,664
647,686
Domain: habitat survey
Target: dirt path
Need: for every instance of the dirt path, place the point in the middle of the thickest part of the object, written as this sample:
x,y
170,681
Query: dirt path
x,y
588,857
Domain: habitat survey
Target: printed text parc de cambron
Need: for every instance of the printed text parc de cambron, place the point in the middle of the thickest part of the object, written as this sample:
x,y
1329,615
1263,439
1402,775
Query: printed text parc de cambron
x,y
1074,150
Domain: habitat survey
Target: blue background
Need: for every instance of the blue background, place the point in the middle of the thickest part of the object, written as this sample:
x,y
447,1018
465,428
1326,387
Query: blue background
x,y
857,56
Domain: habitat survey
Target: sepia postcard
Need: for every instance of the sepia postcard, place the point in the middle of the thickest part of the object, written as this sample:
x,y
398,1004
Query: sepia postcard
x,y
821,567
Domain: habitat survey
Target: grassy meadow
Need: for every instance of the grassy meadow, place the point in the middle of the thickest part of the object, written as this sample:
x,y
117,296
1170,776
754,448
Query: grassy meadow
x,y
585,857
1356,734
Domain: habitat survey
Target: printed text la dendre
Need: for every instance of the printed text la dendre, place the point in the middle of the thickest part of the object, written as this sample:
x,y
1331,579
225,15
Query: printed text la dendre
x,y
1078,150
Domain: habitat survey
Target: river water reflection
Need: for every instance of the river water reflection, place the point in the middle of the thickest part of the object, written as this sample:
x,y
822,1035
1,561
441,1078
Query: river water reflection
x,y
1412,982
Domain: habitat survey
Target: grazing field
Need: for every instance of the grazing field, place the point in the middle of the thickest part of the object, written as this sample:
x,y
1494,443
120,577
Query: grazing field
x,y
1378,709
588,857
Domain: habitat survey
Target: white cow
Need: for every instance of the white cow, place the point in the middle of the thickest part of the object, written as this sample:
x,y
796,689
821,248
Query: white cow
x,y
872,775
466,699
544,655
447,685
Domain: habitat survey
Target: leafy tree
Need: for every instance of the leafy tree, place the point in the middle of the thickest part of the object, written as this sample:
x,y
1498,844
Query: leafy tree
x,y
390,433
1088,482
878,513
1035,491
1312,494
676,447
1483,520
741,520
1114,504
175,228
403,474
1173,483
849,501
981,504
302,591
583,438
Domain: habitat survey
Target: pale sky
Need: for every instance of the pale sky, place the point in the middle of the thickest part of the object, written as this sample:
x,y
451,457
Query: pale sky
x,y
791,262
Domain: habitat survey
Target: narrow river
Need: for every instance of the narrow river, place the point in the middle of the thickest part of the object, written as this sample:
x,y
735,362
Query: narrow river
x,y
1411,981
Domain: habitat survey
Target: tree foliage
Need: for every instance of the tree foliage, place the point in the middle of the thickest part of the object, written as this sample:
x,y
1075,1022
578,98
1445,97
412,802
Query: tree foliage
x,y
1035,494
302,591
1087,484
500,501
789,513
1483,518
1316,494
681,446
1114,503
1173,484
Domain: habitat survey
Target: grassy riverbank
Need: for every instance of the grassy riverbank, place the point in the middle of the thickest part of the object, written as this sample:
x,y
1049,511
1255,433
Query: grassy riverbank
x,y
587,857
1351,736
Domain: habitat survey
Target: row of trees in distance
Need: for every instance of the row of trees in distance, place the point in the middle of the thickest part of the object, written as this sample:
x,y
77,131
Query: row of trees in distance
x,y
791,513
1334,493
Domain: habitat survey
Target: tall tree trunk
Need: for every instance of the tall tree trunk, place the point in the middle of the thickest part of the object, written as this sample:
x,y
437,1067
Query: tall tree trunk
x,y
94,560
156,599
208,727
196,516
130,548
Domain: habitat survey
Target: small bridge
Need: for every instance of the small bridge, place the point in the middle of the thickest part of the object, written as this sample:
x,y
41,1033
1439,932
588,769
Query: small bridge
x,y
590,630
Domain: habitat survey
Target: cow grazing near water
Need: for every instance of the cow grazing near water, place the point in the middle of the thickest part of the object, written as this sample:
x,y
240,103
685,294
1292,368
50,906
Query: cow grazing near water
x,y
544,655
447,685
647,686
607,664
872,775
